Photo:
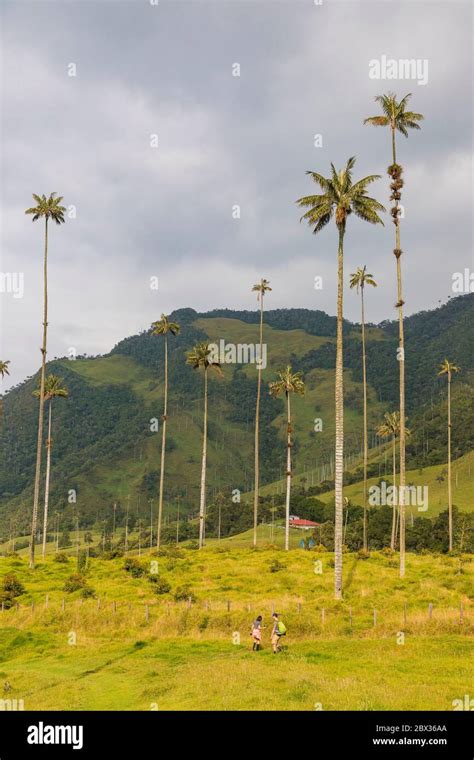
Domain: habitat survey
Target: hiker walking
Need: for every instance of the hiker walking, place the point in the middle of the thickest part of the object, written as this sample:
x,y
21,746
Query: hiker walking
x,y
278,630
256,633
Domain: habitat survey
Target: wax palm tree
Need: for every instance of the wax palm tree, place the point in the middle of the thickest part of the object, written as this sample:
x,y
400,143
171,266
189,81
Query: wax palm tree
x,y
47,209
52,389
287,383
390,428
261,288
3,371
398,119
199,358
359,279
162,327
448,368
339,198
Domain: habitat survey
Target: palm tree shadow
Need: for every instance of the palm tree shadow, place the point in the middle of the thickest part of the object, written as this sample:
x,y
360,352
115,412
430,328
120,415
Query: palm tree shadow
x,y
351,575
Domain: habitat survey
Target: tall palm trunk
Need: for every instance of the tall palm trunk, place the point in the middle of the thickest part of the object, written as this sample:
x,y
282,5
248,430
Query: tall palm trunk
x,y
366,452
39,443
163,449
257,430
450,497
394,513
401,360
49,444
202,503
288,476
339,397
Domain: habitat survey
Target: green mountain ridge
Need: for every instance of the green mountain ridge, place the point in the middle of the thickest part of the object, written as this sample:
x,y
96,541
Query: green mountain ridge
x,y
105,451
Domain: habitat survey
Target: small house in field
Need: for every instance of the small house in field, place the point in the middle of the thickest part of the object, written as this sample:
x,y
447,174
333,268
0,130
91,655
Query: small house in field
x,y
296,522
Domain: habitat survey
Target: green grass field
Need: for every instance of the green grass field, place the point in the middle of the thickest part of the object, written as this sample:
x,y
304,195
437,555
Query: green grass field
x,y
128,648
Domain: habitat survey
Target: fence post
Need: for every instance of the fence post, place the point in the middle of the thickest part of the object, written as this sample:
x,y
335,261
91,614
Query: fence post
x,y
3,606
375,617
323,616
430,610
189,602
350,617
114,606
299,608
63,604
32,606
46,601
228,605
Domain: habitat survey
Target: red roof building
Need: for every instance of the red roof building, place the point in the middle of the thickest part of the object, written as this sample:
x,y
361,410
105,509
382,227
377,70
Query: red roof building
x,y
296,522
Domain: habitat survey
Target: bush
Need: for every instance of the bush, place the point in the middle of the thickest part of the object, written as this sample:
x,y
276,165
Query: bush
x,y
12,586
362,554
112,554
160,585
183,593
134,567
6,599
81,561
387,551
62,558
87,592
203,623
276,566
75,583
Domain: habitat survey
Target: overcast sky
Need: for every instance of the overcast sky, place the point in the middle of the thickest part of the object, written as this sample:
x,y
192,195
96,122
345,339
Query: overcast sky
x,y
223,140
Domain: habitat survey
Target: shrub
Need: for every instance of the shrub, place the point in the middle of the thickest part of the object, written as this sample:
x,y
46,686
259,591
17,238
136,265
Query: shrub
x,y
112,554
81,561
134,567
75,583
387,551
204,623
276,566
61,558
12,586
363,554
160,585
87,592
183,593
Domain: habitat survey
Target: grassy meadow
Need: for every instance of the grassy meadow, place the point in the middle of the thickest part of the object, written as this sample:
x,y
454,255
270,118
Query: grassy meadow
x,y
129,648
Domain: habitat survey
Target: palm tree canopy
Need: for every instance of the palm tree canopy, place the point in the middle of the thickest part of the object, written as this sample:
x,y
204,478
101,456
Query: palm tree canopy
x,y
361,277
288,382
447,368
340,197
391,426
395,115
4,368
50,208
261,287
53,388
163,326
199,358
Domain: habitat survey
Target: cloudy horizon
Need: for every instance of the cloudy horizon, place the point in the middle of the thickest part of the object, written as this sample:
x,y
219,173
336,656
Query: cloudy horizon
x,y
134,113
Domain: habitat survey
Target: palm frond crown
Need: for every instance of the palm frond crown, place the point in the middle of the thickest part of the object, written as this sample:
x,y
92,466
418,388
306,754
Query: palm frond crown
x,y
49,208
339,198
395,114
163,325
287,382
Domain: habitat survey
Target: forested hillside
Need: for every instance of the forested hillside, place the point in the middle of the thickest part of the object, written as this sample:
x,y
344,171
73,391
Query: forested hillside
x,y
104,447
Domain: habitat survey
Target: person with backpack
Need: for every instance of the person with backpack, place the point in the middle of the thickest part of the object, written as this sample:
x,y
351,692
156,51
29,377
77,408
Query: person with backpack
x,y
256,633
278,630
